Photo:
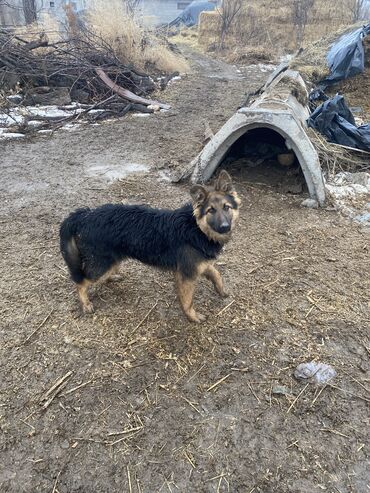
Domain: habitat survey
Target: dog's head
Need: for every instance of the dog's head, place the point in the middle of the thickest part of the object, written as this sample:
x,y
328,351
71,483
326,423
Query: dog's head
x,y
216,209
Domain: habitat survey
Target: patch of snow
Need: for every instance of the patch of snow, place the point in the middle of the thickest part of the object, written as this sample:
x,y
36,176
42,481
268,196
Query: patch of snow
x,y
71,127
35,123
266,67
96,112
111,173
51,111
286,58
13,118
164,176
11,135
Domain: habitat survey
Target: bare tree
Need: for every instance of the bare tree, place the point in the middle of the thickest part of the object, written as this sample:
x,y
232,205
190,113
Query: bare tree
x,y
29,9
131,6
27,6
229,11
300,14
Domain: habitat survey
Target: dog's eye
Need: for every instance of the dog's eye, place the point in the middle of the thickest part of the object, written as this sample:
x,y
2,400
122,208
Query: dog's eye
x,y
211,210
227,207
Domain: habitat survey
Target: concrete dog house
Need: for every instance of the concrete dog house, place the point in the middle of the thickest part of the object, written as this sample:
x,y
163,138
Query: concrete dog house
x,y
281,107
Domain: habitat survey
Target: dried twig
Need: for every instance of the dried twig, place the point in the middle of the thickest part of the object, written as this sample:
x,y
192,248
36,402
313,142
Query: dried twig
x,y
55,390
39,327
218,382
296,399
335,432
143,320
225,308
56,482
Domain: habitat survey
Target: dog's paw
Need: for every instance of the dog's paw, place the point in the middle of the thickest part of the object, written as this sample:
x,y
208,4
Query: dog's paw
x,y
88,308
224,294
198,318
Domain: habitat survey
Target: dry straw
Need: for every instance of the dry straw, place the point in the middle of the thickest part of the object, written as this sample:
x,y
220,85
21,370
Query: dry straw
x,y
130,41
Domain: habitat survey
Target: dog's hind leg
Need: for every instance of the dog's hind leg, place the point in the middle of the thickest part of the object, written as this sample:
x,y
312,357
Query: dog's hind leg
x,y
214,276
185,289
82,288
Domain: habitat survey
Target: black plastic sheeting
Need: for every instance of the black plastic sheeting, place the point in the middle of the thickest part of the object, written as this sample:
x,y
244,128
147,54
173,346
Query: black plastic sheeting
x,y
346,57
189,17
335,120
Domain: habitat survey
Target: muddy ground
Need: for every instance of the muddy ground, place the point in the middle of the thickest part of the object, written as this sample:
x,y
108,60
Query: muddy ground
x,y
138,412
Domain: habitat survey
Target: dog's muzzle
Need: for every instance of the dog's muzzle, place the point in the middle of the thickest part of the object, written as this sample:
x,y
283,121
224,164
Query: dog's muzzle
x,y
224,228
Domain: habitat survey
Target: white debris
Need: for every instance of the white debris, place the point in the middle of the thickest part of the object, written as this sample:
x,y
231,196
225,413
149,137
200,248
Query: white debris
x,y
310,203
141,115
318,373
45,132
350,194
174,79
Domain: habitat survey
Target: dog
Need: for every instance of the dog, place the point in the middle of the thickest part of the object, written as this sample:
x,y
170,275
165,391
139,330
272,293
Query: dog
x,y
186,241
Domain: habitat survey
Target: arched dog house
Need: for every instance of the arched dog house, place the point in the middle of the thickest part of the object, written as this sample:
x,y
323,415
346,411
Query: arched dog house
x,y
280,108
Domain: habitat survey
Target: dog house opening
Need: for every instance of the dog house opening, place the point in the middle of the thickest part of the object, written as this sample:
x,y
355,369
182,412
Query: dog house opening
x,y
261,156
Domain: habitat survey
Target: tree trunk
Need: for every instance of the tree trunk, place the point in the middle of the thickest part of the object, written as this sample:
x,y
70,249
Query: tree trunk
x,y
29,9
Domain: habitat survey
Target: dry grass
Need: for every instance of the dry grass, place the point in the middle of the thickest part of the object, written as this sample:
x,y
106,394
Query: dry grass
x,y
130,42
247,55
47,24
268,24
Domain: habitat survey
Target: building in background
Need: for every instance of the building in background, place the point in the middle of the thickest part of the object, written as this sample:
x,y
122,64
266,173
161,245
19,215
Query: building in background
x,y
21,12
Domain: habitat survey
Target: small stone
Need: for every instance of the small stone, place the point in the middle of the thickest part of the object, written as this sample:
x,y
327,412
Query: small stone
x,y
310,203
280,389
154,107
64,444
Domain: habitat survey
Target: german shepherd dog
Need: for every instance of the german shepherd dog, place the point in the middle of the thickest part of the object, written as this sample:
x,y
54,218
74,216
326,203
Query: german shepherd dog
x,y
186,240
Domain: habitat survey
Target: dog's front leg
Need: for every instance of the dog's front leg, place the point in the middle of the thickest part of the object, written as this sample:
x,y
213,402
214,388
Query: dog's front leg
x,y
185,289
213,275
86,304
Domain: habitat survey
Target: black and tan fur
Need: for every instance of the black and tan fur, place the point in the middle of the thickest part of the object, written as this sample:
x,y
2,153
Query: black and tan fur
x,y
186,241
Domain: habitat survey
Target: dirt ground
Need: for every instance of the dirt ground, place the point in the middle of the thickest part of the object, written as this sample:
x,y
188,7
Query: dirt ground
x,y
151,402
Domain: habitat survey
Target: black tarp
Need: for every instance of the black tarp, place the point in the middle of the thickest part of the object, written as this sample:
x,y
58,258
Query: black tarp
x,y
189,17
346,57
335,120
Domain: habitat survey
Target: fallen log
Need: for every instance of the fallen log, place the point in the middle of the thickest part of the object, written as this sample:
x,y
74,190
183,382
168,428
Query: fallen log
x,y
41,42
125,93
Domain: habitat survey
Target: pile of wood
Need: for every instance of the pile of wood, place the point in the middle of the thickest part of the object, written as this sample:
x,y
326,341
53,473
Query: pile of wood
x,y
86,67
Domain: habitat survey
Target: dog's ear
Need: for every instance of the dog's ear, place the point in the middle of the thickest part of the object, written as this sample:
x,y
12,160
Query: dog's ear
x,y
198,194
224,182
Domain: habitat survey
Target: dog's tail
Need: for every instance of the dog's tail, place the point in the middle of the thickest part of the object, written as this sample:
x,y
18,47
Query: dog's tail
x,y
68,246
